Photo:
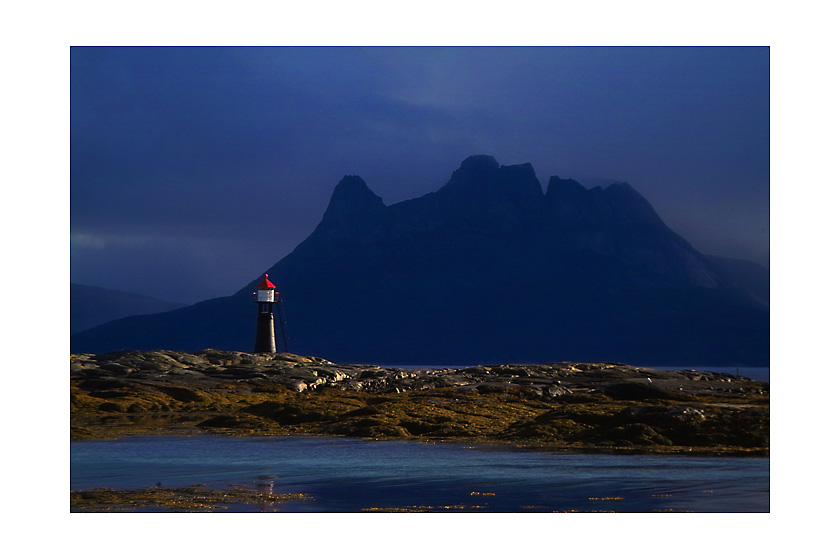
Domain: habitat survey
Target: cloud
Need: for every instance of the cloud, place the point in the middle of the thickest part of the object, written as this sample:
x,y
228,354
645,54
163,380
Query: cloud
x,y
87,241
230,145
184,269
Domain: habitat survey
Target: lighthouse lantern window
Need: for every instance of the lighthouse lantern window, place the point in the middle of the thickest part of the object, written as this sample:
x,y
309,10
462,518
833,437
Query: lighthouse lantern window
x,y
265,295
265,291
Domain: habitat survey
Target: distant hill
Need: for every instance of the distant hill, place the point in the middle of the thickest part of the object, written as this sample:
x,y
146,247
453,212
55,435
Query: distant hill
x,y
91,306
487,269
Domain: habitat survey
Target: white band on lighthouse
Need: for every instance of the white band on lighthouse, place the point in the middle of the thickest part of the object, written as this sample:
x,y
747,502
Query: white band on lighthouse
x,y
265,296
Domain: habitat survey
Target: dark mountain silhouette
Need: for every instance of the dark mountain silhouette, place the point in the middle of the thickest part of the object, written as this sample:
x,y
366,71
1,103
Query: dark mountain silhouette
x,y
91,306
749,279
487,269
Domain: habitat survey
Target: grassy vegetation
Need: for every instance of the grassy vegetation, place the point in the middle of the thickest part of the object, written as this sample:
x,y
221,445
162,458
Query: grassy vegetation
x,y
623,422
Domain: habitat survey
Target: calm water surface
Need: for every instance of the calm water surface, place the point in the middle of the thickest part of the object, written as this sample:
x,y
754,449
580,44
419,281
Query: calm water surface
x,y
350,475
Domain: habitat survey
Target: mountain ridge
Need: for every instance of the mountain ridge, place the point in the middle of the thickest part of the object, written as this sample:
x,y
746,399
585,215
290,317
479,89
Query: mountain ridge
x,y
486,268
91,306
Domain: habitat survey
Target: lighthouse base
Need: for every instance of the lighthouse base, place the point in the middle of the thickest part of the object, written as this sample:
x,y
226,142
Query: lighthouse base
x,y
265,334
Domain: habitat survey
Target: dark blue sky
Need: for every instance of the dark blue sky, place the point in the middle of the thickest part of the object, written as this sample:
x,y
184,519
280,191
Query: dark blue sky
x,y
195,169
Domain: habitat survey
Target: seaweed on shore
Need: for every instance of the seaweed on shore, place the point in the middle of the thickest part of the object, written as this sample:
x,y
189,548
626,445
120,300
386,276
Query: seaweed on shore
x,y
188,499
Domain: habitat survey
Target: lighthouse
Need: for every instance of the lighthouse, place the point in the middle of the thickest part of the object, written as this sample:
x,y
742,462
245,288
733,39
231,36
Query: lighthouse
x,y
265,297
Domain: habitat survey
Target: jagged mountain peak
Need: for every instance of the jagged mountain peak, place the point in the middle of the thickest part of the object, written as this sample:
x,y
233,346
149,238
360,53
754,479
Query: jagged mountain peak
x,y
486,268
353,189
564,192
352,202
497,208
619,203
481,178
478,164
556,183
474,171
624,191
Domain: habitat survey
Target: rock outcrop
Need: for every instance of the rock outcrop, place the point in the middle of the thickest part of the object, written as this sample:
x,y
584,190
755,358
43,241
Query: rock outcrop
x,y
210,368
559,405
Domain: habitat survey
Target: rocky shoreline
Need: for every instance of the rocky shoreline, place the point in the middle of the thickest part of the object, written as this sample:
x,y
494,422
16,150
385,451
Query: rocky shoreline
x,y
573,406
189,499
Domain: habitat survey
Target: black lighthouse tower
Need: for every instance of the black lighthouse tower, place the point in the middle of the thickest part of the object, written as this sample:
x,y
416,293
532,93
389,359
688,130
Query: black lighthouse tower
x,y
265,296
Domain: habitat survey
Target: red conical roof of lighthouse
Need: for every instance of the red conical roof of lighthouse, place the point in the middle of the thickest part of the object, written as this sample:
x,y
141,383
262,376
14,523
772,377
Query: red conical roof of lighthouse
x,y
265,284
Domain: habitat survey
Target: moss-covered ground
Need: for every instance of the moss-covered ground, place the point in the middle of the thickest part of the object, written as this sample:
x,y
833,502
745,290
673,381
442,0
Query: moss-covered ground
x,y
190,499
586,421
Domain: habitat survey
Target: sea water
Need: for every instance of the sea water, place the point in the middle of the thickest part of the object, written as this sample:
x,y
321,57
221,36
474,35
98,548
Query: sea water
x,y
354,475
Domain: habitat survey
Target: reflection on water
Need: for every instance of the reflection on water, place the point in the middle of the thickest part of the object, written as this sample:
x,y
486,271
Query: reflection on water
x,y
349,475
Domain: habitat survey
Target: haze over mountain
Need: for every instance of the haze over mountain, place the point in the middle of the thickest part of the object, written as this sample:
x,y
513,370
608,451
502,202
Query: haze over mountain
x,y
91,306
487,269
